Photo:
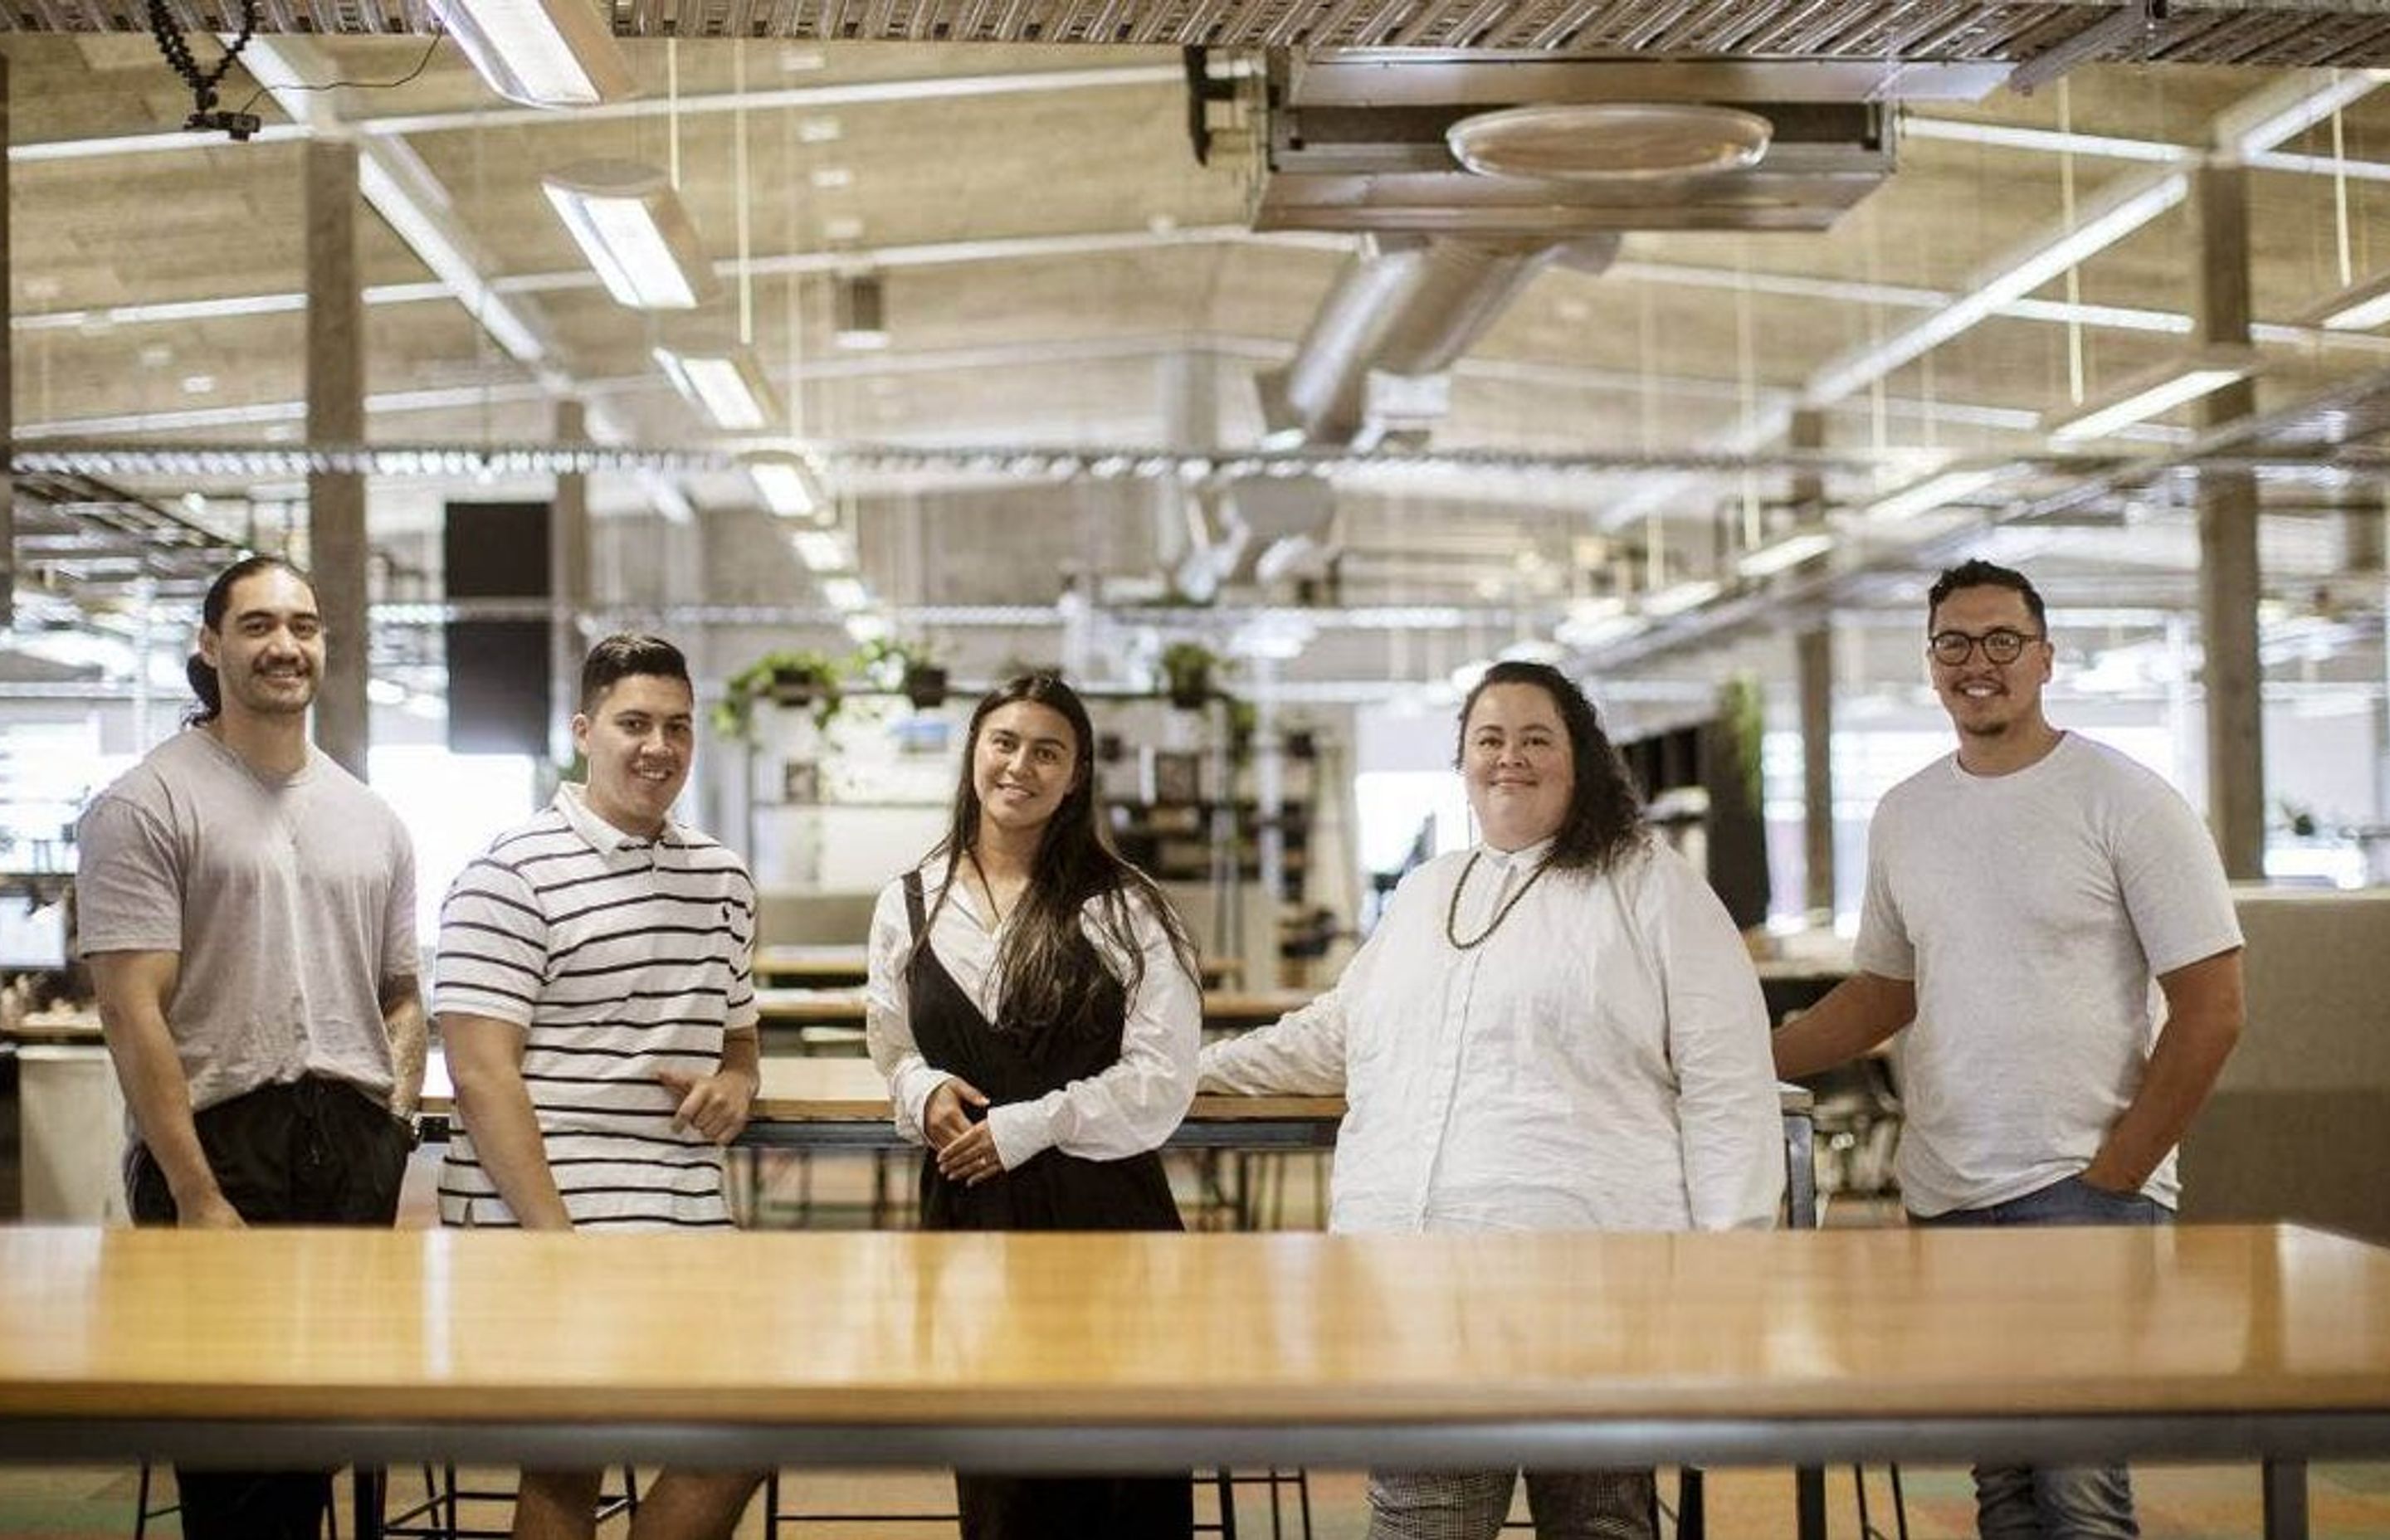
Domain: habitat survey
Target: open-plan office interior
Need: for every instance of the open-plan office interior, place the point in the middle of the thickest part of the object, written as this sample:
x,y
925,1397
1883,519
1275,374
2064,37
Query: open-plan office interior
x,y
1270,369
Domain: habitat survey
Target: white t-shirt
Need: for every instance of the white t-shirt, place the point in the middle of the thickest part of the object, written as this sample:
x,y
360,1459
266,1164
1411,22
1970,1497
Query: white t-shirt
x,y
2034,911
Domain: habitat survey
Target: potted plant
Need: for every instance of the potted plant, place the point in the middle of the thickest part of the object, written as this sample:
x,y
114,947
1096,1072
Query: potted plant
x,y
1187,671
908,667
786,677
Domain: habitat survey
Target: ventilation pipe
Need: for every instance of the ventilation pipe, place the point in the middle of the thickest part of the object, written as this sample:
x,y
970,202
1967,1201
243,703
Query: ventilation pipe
x,y
1372,364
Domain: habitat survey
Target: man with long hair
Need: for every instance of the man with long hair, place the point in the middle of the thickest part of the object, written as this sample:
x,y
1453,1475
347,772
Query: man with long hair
x,y
248,910
1556,1029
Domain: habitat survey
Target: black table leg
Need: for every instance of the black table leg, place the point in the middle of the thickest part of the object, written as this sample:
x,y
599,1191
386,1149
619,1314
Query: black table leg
x,y
1809,1503
2286,1499
366,1489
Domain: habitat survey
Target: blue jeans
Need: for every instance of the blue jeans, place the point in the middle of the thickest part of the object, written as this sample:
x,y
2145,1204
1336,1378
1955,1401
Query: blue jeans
x,y
2089,1502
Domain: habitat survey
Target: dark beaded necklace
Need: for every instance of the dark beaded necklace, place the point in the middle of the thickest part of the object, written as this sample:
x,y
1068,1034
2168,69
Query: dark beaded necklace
x,y
1452,910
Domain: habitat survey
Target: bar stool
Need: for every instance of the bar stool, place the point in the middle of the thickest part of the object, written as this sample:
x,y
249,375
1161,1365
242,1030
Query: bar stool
x,y
1224,1483
437,1516
143,1512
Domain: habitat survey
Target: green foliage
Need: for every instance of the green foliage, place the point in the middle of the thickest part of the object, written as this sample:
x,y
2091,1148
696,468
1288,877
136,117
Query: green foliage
x,y
1189,672
1739,713
786,676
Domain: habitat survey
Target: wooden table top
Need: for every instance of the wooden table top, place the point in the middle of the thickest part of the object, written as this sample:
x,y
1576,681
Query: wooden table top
x,y
54,1028
851,1090
1260,1330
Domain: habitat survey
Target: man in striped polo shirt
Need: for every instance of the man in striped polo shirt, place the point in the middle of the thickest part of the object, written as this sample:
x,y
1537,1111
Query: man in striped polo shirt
x,y
595,1005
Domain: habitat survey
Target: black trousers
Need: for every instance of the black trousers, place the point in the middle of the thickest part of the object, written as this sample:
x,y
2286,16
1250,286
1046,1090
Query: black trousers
x,y
313,1151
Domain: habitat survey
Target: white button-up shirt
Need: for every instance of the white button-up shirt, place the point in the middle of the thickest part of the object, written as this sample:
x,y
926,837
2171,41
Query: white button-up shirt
x,y
1599,1061
1128,1108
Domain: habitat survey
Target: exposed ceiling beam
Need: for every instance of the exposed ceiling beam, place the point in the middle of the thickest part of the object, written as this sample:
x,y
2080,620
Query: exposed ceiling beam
x,y
793,98
869,93
1106,242
400,189
2113,213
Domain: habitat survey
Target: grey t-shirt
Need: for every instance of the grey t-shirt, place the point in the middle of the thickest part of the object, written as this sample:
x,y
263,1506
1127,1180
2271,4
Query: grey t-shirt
x,y
289,901
2034,911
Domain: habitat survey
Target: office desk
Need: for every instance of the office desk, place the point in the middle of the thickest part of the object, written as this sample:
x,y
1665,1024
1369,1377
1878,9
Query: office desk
x,y
1125,1352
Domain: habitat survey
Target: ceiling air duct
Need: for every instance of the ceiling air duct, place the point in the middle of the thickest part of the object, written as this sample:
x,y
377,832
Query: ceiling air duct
x,y
1372,366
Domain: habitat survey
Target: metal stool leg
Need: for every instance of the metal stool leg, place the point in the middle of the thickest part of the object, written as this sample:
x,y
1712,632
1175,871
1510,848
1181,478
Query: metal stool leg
x,y
1692,1515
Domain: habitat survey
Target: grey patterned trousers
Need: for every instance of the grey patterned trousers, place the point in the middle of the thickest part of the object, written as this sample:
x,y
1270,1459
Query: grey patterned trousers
x,y
1471,1504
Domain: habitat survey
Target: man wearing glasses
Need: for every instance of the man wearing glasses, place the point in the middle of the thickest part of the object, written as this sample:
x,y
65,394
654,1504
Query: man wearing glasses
x,y
2021,895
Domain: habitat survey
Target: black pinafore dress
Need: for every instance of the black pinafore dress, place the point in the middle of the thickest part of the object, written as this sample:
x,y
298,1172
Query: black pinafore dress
x,y
1050,1191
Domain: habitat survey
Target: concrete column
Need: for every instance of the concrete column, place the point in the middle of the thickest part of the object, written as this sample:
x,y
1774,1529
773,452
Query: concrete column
x,y
1815,661
2228,535
2364,530
568,583
7,379
336,415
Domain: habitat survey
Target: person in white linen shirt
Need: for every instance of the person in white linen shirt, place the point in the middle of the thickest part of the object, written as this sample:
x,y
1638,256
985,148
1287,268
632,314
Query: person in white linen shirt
x,y
1559,1029
1032,1000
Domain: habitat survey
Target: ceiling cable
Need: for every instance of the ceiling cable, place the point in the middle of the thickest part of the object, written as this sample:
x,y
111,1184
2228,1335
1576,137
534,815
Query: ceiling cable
x,y
738,179
2340,197
1747,386
2074,370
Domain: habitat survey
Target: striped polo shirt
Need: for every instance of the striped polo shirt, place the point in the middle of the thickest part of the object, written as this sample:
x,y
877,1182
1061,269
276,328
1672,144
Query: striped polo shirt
x,y
616,954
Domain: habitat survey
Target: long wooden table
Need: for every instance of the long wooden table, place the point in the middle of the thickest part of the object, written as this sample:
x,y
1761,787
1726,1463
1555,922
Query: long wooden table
x,y
1122,1352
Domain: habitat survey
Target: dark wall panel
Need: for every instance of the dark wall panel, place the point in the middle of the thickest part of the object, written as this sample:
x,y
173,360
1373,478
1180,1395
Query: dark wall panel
x,y
498,700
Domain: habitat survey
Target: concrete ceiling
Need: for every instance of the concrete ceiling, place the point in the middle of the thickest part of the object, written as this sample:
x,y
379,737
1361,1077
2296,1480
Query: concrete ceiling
x,y
1064,280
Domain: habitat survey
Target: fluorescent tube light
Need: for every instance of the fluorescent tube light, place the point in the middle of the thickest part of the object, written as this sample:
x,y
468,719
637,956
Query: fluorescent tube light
x,y
2151,392
1677,598
541,53
1789,549
823,550
2362,306
1596,623
629,223
1947,486
722,380
788,485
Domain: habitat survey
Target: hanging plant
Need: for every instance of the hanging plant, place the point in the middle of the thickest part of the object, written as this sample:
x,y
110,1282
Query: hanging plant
x,y
786,677
1187,671
909,668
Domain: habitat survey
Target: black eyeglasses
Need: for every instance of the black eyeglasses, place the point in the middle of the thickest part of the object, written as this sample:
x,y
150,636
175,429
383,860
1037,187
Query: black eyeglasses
x,y
1952,649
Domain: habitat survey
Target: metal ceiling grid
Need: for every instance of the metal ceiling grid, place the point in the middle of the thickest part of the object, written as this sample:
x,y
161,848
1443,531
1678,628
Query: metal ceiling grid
x,y
2274,32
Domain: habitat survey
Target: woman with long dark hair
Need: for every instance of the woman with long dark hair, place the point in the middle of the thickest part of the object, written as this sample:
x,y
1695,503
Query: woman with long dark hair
x,y
1033,1002
1556,1029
